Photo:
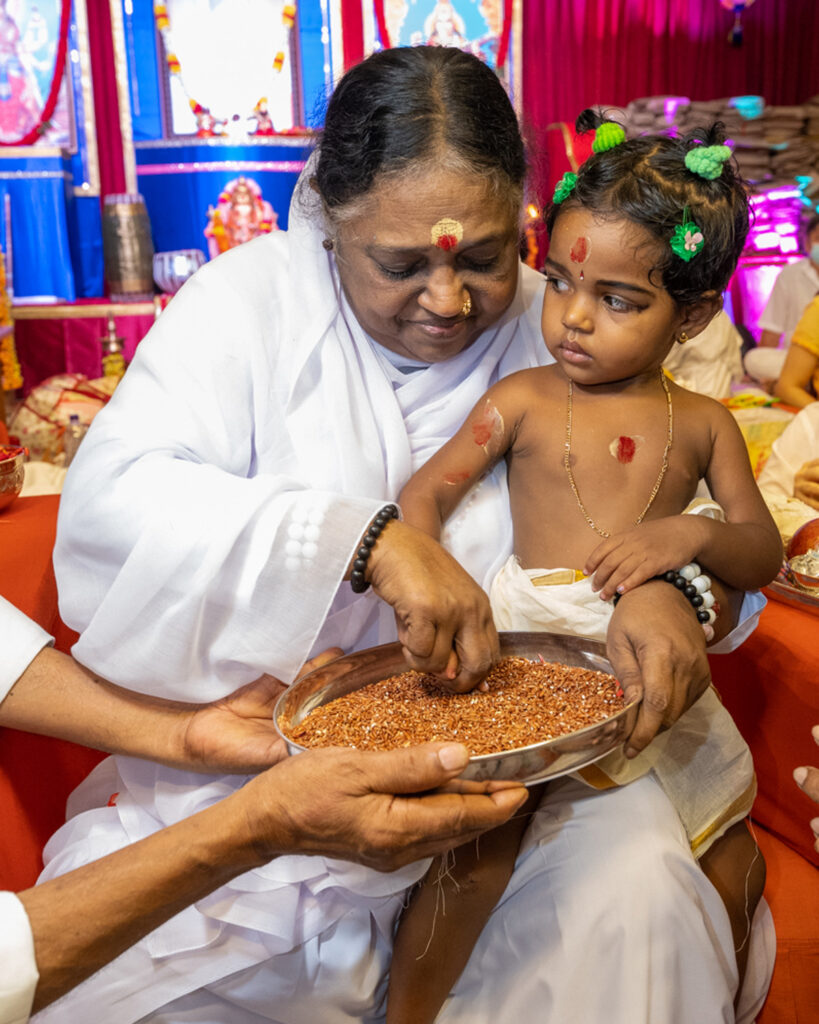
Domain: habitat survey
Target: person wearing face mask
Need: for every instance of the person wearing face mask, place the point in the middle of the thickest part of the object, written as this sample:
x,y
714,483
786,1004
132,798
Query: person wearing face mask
x,y
794,288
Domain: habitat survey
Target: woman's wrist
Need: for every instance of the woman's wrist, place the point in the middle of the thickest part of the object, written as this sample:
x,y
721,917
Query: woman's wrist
x,y
361,565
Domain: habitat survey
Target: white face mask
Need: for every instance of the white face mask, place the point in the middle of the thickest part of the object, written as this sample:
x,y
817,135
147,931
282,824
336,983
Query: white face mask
x,y
814,253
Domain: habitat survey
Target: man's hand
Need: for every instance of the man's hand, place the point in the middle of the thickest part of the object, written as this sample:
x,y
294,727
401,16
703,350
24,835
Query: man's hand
x,y
657,649
237,734
438,607
806,483
363,805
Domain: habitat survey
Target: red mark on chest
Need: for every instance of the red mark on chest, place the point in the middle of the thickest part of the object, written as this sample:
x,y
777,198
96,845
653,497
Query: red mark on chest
x,y
625,449
446,242
579,252
456,478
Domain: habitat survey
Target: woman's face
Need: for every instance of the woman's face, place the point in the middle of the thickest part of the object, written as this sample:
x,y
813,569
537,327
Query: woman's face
x,y
421,245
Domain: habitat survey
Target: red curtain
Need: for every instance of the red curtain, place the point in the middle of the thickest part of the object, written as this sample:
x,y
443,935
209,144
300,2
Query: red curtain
x,y
579,53
106,106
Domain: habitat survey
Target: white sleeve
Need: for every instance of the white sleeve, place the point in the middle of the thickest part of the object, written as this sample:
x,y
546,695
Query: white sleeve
x,y
18,968
752,604
796,445
193,551
20,640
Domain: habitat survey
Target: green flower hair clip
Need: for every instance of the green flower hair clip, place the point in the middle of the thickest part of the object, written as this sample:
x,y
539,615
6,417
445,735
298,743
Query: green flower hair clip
x,y
707,161
607,136
564,187
687,240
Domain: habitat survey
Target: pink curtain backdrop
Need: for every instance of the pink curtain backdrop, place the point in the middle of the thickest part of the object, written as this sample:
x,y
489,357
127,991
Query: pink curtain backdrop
x,y
579,53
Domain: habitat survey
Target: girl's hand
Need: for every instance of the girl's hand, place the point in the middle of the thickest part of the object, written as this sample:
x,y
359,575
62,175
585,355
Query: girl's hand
x,y
624,561
438,607
806,483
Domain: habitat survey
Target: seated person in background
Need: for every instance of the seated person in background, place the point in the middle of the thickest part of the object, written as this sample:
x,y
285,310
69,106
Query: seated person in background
x,y
807,779
792,470
618,297
341,803
795,286
798,382
710,362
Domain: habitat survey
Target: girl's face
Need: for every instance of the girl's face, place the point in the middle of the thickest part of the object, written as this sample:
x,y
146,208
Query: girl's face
x,y
603,319
407,288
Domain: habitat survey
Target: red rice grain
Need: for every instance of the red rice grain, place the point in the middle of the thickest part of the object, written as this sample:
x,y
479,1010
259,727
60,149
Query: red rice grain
x,y
527,702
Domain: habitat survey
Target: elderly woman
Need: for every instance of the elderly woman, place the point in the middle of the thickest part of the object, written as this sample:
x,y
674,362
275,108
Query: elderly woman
x,y
211,528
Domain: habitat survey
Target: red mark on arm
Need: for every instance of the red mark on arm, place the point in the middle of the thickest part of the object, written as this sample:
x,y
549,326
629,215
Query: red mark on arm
x,y
579,252
456,478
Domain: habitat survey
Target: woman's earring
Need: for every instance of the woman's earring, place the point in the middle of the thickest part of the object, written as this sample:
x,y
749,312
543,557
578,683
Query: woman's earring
x,y
683,338
466,309
328,244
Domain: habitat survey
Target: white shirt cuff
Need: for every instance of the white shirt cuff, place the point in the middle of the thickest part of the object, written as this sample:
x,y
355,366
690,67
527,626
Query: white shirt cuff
x,y
752,605
18,968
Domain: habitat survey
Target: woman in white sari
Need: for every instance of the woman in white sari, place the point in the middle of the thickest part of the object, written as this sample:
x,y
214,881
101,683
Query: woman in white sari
x,y
207,531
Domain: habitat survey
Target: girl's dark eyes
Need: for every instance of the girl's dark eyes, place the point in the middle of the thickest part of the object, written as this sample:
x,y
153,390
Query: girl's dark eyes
x,y
619,305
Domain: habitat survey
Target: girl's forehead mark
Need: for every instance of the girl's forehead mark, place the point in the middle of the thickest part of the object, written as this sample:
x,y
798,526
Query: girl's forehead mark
x,y
446,233
581,250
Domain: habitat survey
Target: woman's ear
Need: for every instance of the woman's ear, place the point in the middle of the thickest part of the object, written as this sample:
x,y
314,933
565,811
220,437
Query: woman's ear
x,y
697,315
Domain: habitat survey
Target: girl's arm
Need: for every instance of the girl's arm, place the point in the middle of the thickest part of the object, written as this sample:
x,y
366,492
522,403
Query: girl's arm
x,y
433,493
745,552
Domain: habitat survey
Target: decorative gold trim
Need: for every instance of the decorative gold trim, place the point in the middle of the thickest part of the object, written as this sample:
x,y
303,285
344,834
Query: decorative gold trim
x,y
182,141
27,152
90,187
61,311
123,99
567,142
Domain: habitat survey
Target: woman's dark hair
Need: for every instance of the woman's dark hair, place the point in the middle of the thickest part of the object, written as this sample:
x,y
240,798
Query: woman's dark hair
x,y
645,180
407,104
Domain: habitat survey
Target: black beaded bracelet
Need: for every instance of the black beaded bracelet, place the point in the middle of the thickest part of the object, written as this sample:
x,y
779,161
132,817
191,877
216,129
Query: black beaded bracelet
x,y
358,581
687,581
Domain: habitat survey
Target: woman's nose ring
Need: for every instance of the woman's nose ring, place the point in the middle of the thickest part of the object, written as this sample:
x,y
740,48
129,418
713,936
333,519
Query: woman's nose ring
x,y
466,309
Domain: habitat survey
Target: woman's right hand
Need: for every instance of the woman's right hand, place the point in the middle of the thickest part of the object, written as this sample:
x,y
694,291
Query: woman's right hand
x,y
806,483
438,607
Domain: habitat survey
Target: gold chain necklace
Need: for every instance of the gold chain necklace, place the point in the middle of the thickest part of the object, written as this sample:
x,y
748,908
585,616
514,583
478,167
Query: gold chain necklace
x,y
567,452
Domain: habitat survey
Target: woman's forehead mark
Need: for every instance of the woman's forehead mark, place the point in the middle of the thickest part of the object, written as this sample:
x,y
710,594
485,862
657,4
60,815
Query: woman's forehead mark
x,y
581,250
446,233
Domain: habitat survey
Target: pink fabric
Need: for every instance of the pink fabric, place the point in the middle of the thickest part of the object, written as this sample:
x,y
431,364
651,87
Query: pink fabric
x,y
106,109
48,347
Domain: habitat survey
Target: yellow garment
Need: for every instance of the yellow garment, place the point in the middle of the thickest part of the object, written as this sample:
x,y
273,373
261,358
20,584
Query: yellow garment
x,y
806,335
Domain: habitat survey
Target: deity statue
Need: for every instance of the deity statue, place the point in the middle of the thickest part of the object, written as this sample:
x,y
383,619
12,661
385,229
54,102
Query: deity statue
x,y
444,26
207,126
240,214
261,115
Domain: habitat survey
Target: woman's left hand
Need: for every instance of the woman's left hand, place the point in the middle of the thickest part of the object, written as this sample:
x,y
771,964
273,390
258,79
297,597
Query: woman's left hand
x,y
657,649
237,734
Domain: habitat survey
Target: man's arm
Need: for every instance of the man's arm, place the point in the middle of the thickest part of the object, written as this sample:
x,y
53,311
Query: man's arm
x,y
338,803
769,339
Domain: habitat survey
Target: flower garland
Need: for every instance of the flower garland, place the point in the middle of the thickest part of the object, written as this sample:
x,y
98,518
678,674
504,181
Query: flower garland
x,y
43,125
163,26
11,376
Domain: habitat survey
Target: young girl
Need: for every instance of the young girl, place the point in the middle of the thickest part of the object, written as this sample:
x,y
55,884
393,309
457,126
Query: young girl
x,y
603,455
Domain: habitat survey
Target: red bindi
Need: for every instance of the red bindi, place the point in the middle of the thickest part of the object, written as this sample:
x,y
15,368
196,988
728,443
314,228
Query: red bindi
x,y
579,252
446,242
